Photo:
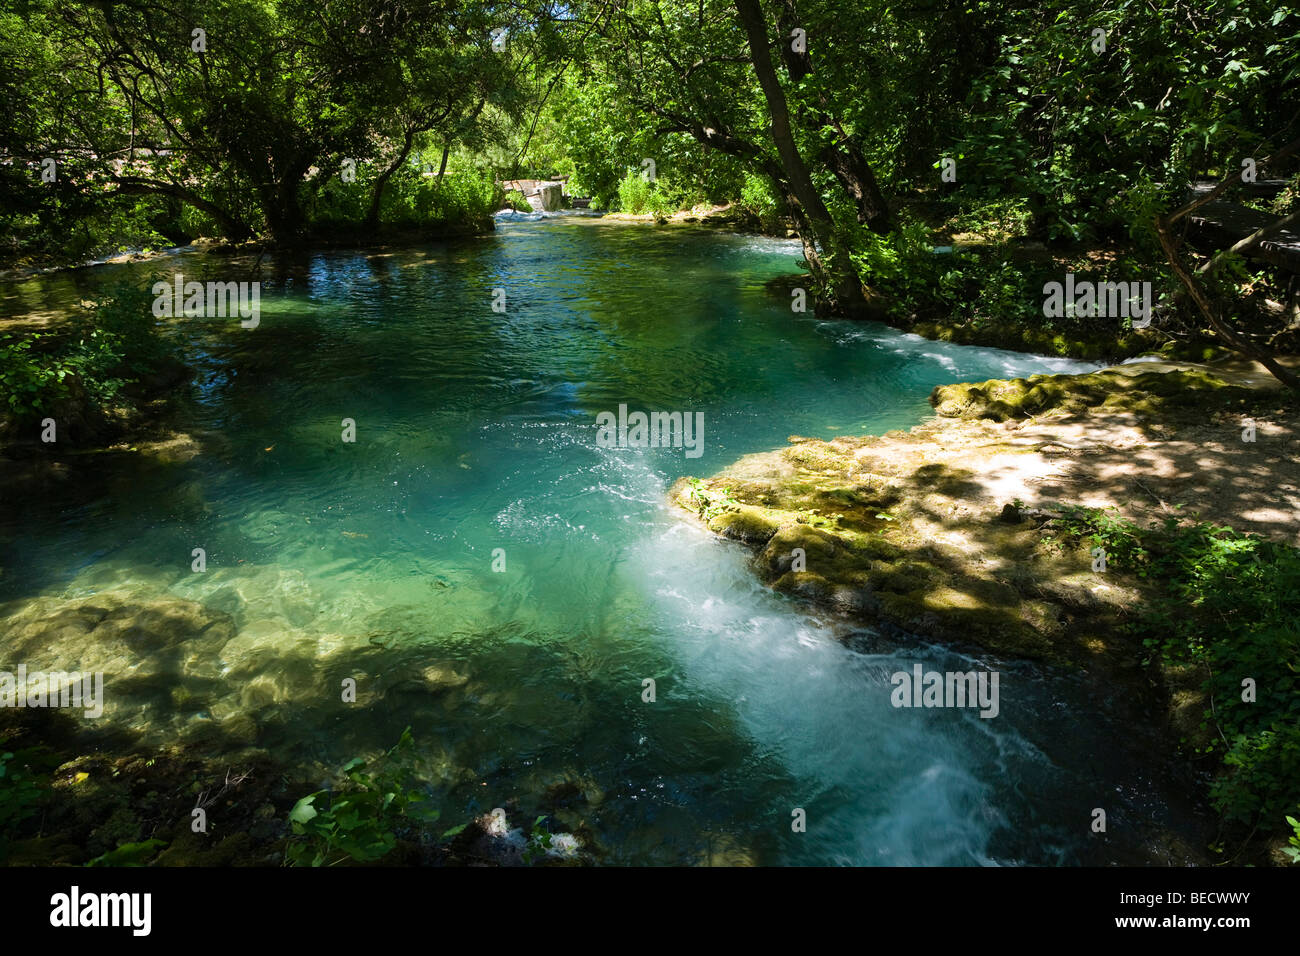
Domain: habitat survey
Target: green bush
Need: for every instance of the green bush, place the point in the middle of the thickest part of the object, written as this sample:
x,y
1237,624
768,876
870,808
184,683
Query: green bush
x,y
112,345
117,341
464,197
410,200
665,199
517,201
1228,604
460,198
635,194
67,231
343,205
1002,215
902,263
668,196
30,384
758,198
362,821
995,288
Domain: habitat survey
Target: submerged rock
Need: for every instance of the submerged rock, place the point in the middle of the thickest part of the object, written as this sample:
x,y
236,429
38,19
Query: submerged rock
x,y
499,844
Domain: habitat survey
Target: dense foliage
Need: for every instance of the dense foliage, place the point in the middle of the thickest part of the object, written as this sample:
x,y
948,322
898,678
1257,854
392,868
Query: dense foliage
x,y
87,369
1228,605
876,131
231,117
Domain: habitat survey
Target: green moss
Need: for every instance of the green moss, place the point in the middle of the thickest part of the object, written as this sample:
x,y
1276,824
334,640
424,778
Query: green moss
x,y
871,546
813,455
744,523
867,539
200,849
1140,392
806,584
904,577
818,545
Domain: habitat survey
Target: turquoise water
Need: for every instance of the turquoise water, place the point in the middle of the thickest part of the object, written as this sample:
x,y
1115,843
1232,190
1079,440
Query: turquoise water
x,y
475,431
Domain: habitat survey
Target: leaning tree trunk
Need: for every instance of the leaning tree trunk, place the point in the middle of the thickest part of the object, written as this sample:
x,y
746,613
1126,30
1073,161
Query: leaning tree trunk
x,y
283,205
377,193
232,227
851,169
846,287
843,157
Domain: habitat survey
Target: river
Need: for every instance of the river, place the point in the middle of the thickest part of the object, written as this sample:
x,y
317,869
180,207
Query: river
x,y
476,446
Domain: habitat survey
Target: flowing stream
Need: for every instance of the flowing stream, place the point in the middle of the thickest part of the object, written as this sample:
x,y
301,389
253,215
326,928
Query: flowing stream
x,y
475,431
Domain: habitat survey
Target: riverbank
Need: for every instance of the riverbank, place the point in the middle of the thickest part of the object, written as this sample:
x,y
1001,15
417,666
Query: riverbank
x,y
730,216
114,801
959,529
46,375
324,239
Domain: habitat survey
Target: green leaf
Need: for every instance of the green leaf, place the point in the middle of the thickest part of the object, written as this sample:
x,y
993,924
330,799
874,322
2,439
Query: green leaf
x,y
129,854
303,811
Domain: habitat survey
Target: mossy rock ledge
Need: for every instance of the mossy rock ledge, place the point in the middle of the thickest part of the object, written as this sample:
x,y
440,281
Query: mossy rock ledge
x,y
928,530
1145,389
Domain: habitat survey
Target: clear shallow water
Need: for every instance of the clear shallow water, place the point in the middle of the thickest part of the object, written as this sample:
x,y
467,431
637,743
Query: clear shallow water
x,y
475,432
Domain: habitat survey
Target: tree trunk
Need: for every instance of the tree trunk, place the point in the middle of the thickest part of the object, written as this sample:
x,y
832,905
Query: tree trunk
x,y
1164,232
845,285
1238,343
233,229
283,205
377,193
842,158
442,168
851,169
751,17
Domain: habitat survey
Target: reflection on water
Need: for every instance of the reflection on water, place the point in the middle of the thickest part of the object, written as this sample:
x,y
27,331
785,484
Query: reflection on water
x,y
475,444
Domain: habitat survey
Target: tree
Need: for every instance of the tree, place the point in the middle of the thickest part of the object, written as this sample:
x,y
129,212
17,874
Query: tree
x,y
244,109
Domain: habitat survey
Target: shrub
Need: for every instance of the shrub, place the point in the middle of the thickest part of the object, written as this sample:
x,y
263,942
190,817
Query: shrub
x,y
117,341
635,193
517,201
902,264
462,197
757,198
29,385
114,344
664,200
410,200
1228,604
362,821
